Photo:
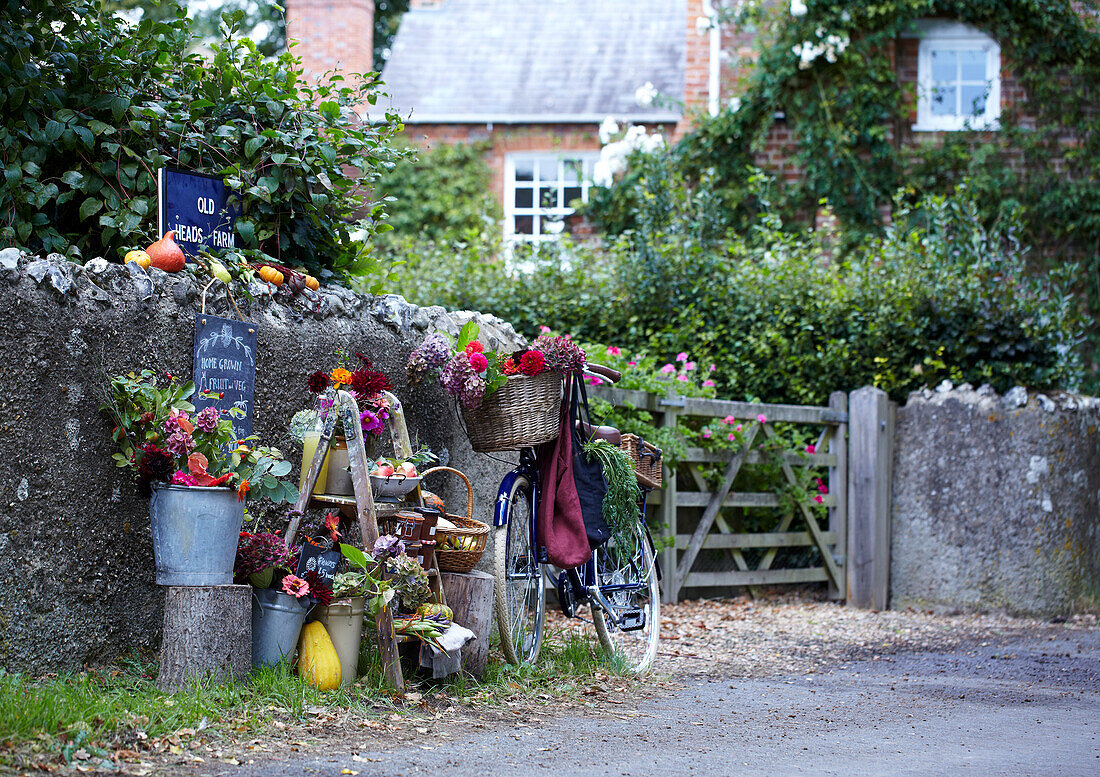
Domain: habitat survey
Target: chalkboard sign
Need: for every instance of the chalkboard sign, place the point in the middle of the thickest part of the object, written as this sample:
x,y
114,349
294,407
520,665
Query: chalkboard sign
x,y
195,207
312,557
225,363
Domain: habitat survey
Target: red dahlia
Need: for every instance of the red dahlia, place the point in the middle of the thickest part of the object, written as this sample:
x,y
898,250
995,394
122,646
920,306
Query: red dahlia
x,y
318,381
532,363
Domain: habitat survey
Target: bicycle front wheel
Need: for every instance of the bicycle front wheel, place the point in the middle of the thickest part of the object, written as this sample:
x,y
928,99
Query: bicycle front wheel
x,y
519,595
626,575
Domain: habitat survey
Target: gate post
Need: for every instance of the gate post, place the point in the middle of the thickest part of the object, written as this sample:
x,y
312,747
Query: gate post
x,y
869,465
838,487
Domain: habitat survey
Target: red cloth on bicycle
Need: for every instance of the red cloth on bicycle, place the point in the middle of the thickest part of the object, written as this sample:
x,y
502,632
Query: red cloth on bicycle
x,y
561,523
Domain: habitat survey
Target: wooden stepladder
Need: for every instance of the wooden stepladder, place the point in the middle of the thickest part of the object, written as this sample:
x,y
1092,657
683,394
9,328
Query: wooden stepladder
x,y
361,508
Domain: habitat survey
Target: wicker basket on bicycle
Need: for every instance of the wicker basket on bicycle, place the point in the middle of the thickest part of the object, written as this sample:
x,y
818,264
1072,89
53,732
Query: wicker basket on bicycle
x,y
525,411
646,459
459,549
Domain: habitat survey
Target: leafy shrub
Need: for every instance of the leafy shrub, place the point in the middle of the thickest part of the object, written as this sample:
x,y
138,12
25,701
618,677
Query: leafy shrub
x,y
91,105
441,193
937,296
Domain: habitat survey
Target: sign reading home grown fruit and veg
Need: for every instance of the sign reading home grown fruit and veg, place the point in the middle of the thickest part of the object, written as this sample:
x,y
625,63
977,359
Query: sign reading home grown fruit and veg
x,y
196,208
224,369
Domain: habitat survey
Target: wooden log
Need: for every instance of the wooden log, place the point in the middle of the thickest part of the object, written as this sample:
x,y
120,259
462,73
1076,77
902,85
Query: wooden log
x,y
207,633
470,596
869,454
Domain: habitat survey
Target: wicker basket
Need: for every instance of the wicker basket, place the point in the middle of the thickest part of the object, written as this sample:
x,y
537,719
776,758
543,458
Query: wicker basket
x,y
473,532
523,412
646,459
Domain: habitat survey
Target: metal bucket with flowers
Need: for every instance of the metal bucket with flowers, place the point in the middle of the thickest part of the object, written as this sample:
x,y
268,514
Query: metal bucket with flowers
x,y
195,471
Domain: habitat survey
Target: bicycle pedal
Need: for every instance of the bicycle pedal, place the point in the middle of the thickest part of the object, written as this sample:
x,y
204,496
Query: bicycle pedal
x,y
565,595
632,620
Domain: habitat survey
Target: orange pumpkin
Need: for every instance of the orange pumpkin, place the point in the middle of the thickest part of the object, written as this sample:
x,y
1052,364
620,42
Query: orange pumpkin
x,y
165,254
312,282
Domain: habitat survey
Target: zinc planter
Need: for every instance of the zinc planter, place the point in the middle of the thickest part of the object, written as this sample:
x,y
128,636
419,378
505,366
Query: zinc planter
x,y
277,620
195,531
343,620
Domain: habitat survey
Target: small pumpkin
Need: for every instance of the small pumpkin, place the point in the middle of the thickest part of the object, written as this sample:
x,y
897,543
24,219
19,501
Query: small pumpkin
x,y
318,663
165,254
143,259
271,275
312,283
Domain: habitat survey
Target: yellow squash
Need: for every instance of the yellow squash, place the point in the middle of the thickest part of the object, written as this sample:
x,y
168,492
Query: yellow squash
x,y
318,663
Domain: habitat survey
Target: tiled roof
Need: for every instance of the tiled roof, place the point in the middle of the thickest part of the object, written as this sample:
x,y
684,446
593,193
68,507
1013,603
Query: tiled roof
x,y
536,60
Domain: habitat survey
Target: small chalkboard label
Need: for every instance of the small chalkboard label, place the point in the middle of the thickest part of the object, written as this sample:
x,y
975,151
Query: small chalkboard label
x,y
314,558
225,364
196,208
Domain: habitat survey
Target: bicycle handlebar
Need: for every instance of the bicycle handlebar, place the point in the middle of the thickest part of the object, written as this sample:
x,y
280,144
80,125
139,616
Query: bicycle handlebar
x,y
604,372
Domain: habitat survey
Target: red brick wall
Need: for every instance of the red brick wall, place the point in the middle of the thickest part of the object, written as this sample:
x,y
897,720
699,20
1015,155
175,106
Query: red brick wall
x,y
332,34
507,139
696,67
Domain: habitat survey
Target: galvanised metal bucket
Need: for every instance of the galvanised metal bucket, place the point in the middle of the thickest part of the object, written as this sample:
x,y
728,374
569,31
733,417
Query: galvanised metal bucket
x,y
277,620
195,533
343,620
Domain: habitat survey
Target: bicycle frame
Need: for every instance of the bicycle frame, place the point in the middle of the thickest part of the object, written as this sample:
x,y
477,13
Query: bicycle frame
x,y
582,579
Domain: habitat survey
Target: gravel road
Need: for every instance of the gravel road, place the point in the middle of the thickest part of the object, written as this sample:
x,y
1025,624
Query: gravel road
x,y
1023,704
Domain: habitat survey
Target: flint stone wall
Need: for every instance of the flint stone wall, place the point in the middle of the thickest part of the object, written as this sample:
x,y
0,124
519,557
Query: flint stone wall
x,y
76,557
995,502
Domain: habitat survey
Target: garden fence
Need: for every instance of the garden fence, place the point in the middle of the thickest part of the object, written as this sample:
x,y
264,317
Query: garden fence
x,y
716,537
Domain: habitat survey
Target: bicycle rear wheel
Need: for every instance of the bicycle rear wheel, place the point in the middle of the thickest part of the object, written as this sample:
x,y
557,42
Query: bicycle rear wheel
x,y
519,595
626,576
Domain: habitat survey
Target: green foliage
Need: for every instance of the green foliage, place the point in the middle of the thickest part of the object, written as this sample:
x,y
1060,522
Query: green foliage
x,y
849,126
91,105
937,295
441,194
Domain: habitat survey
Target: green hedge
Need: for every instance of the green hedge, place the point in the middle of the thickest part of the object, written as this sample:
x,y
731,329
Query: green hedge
x,y
937,296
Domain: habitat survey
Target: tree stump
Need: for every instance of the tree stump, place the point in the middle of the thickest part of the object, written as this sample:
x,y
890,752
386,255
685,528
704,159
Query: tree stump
x,y
470,596
207,633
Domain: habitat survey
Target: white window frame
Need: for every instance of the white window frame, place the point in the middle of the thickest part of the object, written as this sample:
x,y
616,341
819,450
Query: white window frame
x,y
541,215
942,36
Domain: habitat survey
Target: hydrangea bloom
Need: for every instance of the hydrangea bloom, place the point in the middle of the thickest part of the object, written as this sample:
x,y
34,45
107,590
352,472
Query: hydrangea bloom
x,y
461,381
561,354
207,419
429,356
179,443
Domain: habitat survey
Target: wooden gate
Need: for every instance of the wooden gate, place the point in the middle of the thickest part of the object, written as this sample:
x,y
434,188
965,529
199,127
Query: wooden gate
x,y
702,523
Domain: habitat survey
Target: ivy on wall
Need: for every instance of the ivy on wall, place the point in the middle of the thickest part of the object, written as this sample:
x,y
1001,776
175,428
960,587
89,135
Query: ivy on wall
x,y
829,76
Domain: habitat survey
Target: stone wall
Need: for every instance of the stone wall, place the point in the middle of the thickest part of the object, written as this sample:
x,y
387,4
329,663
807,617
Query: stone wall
x,y
76,565
995,502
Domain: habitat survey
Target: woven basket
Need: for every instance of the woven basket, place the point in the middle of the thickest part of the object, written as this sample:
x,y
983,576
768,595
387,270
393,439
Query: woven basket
x,y
646,459
450,559
523,412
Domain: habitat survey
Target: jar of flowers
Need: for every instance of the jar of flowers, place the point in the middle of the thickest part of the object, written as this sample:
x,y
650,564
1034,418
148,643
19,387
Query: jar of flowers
x,y
195,471
366,385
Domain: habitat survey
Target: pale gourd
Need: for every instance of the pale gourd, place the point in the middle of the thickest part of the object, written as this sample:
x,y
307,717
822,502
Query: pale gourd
x,y
318,663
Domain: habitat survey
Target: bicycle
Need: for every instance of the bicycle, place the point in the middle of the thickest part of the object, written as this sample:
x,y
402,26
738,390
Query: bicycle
x,y
620,582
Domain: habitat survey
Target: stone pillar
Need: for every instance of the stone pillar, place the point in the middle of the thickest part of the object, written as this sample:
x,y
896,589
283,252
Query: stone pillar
x,y
332,34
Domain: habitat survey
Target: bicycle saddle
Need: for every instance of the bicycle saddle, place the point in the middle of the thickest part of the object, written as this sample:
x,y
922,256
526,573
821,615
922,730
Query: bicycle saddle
x,y
609,433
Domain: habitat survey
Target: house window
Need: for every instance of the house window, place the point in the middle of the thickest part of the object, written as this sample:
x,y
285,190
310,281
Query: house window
x,y
959,79
538,190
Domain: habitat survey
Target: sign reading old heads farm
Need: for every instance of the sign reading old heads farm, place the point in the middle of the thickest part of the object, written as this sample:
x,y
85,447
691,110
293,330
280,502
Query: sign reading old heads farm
x,y
225,366
195,207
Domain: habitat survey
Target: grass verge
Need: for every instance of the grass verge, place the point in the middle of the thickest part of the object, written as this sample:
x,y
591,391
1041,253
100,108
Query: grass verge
x,y
105,717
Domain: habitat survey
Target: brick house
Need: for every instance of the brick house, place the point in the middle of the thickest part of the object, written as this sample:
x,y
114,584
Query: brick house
x,y
535,79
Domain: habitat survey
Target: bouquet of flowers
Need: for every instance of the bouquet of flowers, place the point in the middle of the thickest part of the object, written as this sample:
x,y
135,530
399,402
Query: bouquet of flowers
x,y
364,382
470,373
162,439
